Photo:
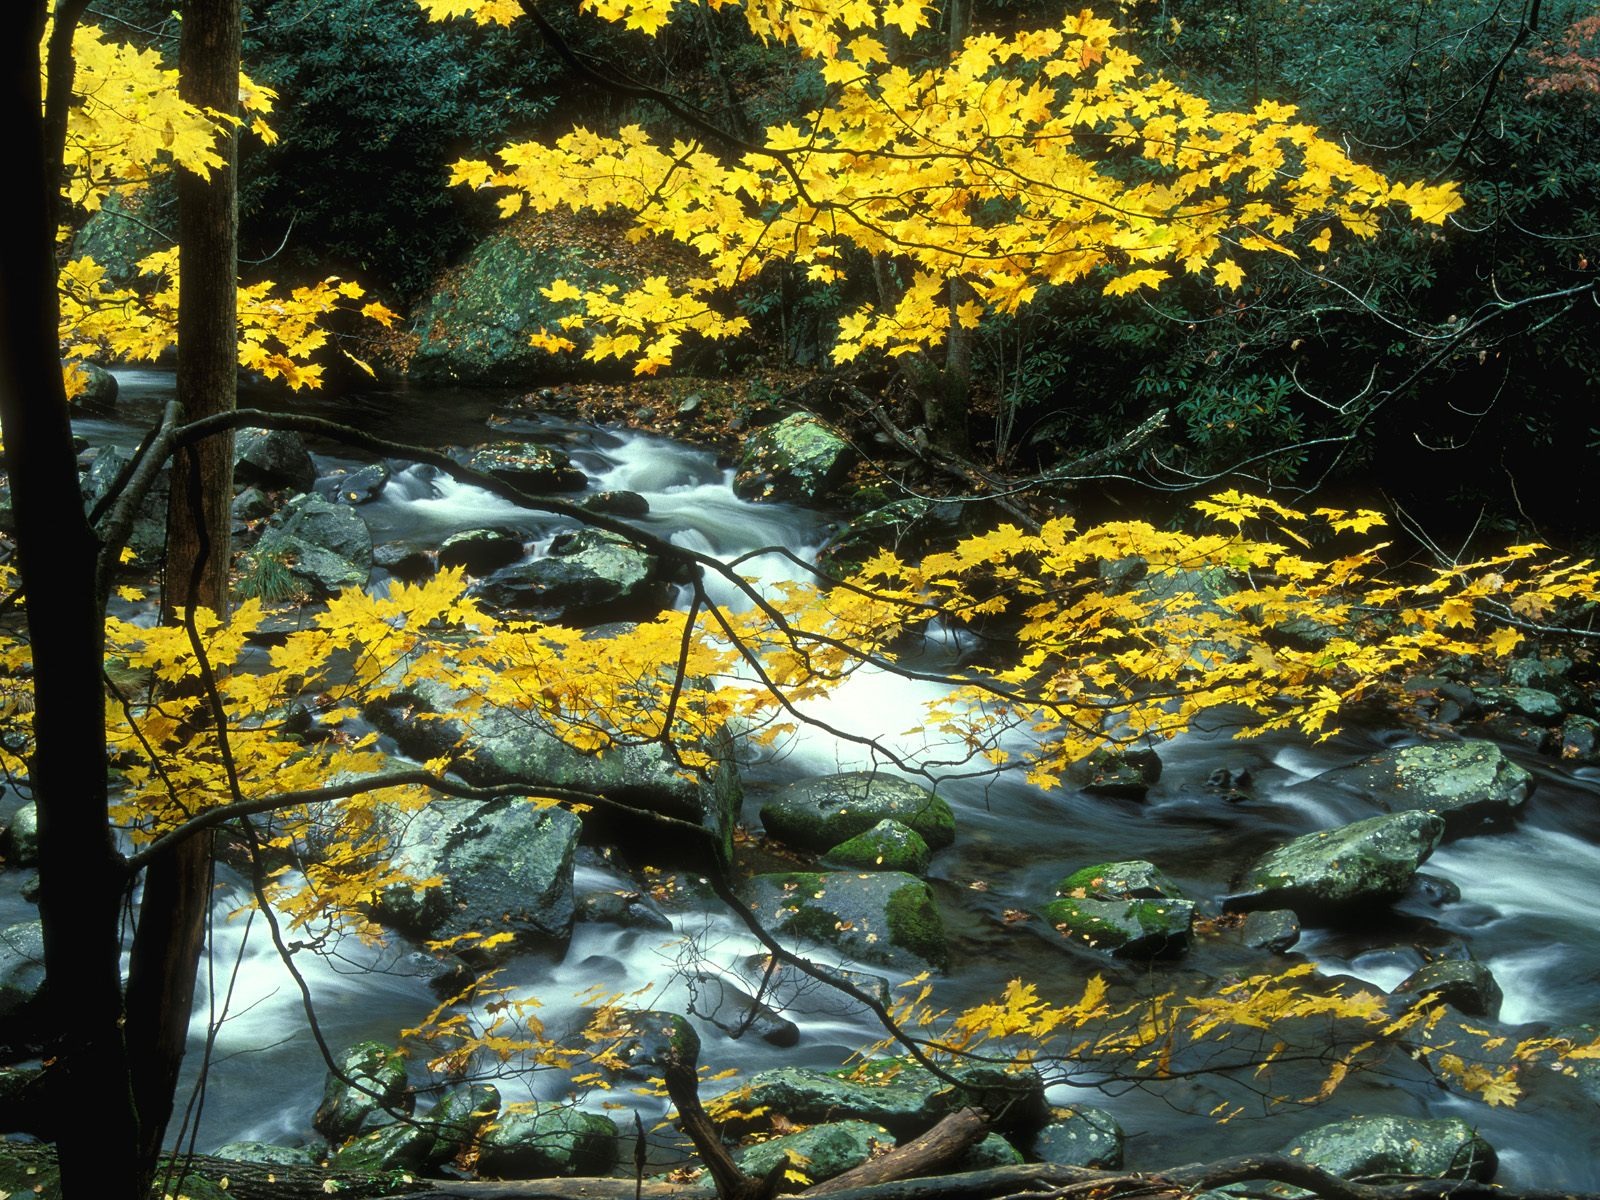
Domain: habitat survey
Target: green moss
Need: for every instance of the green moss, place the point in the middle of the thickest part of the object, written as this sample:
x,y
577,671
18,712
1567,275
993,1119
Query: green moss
x,y
915,924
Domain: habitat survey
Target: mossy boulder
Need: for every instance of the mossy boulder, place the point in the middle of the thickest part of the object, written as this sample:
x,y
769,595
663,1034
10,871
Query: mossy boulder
x,y
587,577
1465,985
820,1152
819,814
402,1146
889,845
548,1140
1127,908
1385,1149
800,458
268,1154
457,1119
1125,773
325,546
378,1081
993,1151
885,917
1080,1136
526,465
1466,783
1370,862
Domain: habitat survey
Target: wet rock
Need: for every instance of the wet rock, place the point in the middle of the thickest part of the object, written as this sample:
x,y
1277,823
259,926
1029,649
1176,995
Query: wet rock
x,y
647,1040
887,846
457,1119
506,866
429,720
20,843
993,1151
24,1017
481,551
401,1146
251,505
361,486
821,1152
884,917
1434,890
345,1109
404,562
1274,929
902,1097
588,577
148,537
1126,908
1467,986
1580,739
1126,773
445,974
546,1141
818,814
1369,862
526,465
324,546
1535,704
630,910
272,459
1382,1149
800,458
1080,1137
267,1154
97,389
617,504
737,1013
1465,782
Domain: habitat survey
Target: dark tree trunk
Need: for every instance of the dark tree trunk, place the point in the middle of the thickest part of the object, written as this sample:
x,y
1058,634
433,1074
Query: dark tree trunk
x,y
81,874
177,888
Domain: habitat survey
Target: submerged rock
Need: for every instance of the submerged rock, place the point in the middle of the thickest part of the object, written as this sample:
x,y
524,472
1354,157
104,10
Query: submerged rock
x,y
1369,862
819,814
1464,782
884,917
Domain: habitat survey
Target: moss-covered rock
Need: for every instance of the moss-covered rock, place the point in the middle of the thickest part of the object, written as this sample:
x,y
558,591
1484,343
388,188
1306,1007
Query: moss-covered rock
x,y
1369,862
993,1151
1128,908
378,1076
820,1152
888,846
885,917
1465,782
1080,1136
402,1146
818,814
799,458
1465,985
1384,1149
457,1119
325,546
528,466
548,1140
268,1154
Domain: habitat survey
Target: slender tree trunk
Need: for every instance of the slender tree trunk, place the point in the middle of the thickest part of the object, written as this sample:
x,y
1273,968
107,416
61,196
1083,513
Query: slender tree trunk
x,y
81,875
177,886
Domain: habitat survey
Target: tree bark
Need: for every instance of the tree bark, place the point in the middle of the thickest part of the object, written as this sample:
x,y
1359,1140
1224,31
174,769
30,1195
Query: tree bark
x,y
177,886
926,1155
80,872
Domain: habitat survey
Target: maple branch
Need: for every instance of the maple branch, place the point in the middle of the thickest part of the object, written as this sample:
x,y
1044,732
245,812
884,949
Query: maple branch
x,y
1525,27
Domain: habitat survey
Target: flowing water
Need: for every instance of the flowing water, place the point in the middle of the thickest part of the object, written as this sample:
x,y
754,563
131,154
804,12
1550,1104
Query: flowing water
x,y
1527,906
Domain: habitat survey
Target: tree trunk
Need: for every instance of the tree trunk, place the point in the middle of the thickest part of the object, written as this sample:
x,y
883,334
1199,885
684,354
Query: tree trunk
x,y
177,886
80,872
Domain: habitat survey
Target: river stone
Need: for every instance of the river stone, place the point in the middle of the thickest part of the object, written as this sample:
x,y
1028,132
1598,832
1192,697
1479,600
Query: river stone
x,y
1385,1149
588,577
547,1140
528,466
402,1146
1126,773
361,486
799,458
904,1098
267,1154
1534,703
344,1108
148,537
993,1151
911,526
249,506
481,551
1080,1137
820,1152
496,746
887,846
97,391
326,546
506,866
1126,908
457,1119
647,1040
818,814
21,840
734,1011
23,1018
617,504
1465,782
272,459
629,910
1580,739
1467,986
1274,929
887,917
1369,862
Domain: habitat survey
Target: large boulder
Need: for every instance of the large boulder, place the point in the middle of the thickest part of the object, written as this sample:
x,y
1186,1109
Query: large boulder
x,y
526,465
1387,1149
1080,1136
588,577
820,1152
96,388
272,459
1465,782
401,1146
376,1076
819,814
547,1140
481,551
1465,985
1369,862
904,1098
1126,908
506,867
458,1118
429,720
23,1007
326,547
888,846
799,458
885,917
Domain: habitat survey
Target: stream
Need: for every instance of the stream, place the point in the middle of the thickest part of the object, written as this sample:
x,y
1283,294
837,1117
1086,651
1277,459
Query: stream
x,y
1527,907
